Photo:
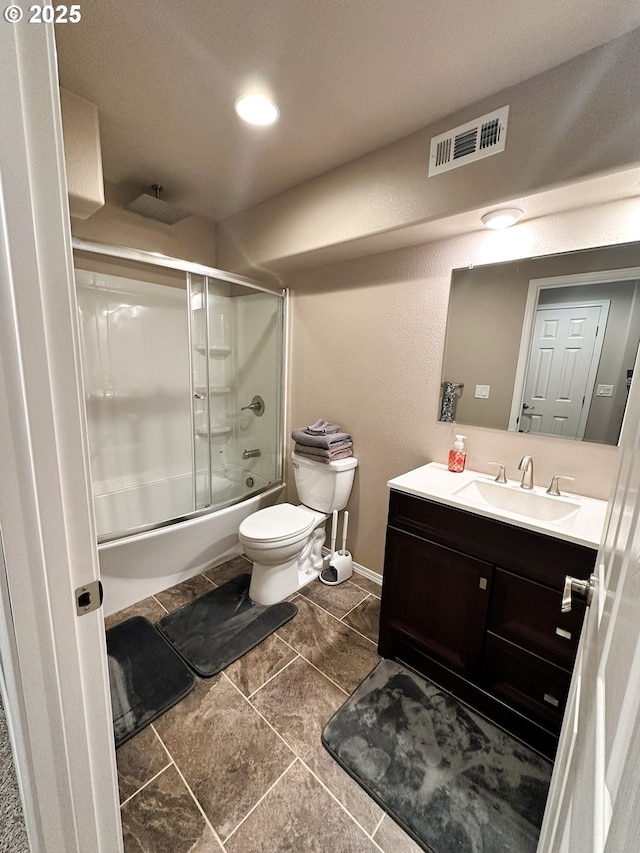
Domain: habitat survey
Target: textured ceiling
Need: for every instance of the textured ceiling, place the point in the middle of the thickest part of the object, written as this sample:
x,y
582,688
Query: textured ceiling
x,y
348,76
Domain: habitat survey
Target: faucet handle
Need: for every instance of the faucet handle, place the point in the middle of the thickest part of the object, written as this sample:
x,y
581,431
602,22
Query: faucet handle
x,y
553,488
500,478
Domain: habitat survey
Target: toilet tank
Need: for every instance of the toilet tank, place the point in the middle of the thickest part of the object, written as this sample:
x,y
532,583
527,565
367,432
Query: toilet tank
x,y
324,487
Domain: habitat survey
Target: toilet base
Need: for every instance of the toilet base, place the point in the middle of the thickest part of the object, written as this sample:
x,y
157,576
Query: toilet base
x,y
272,584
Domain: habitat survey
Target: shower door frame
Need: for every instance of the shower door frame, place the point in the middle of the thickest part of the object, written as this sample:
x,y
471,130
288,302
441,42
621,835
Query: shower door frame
x,y
190,268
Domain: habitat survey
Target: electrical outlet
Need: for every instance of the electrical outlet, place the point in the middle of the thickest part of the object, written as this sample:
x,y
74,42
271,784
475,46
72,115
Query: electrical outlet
x,y
482,392
604,391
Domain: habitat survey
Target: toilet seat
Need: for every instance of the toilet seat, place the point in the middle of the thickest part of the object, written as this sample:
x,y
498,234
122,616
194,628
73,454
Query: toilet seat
x,y
278,524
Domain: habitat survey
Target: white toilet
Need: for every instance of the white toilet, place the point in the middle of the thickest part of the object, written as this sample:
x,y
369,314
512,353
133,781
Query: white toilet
x,y
285,541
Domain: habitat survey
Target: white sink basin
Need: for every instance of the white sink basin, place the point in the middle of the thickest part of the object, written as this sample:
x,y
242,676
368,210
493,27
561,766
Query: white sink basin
x,y
574,518
508,498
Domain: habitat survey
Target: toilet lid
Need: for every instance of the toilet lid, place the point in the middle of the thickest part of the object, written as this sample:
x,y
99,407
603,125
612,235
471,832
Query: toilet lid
x,y
277,522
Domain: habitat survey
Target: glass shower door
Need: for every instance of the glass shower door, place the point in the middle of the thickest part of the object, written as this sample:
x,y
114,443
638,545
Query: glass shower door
x,y
183,375
134,337
236,359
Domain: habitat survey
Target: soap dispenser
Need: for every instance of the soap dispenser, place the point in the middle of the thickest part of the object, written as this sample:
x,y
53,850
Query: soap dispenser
x,y
457,456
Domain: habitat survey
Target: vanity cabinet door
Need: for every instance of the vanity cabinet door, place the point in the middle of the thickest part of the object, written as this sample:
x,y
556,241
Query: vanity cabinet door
x,y
436,597
528,614
534,686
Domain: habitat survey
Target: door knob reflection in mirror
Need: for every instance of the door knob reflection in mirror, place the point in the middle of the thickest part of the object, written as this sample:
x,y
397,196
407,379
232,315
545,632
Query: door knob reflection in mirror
x,y
576,589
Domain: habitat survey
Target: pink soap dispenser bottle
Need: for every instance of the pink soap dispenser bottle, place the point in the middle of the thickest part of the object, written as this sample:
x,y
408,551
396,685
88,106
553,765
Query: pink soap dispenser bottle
x,y
457,456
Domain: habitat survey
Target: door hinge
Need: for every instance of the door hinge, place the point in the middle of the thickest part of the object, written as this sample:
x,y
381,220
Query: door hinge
x,y
88,598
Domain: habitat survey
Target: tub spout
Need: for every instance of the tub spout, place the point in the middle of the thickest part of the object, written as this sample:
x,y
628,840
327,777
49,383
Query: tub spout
x,y
250,454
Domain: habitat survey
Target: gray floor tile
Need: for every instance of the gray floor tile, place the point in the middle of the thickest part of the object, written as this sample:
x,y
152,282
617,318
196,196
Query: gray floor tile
x,y
299,814
139,760
227,753
298,703
164,817
338,600
252,670
366,584
230,569
183,593
148,607
342,655
393,839
365,618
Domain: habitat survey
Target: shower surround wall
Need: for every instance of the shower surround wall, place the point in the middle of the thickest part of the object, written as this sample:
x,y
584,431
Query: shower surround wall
x,y
136,375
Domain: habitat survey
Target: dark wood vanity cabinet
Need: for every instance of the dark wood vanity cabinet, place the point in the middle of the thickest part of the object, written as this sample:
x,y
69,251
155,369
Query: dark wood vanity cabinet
x,y
474,604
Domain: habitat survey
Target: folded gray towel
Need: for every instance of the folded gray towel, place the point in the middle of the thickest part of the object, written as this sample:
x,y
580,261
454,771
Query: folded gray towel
x,y
326,441
341,454
322,451
322,427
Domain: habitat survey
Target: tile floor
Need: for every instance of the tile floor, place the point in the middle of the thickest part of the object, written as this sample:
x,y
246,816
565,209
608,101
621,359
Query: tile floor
x,y
238,765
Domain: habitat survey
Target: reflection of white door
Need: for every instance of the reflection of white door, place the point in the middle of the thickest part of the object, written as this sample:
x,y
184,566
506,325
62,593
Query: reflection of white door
x,y
594,800
565,352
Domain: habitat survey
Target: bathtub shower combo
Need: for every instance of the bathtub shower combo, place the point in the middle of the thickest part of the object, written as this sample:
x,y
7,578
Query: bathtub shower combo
x,y
183,372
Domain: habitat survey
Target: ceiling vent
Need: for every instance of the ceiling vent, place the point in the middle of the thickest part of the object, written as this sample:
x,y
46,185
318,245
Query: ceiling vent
x,y
474,140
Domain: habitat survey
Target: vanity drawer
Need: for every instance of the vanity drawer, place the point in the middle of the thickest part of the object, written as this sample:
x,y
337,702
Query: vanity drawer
x,y
528,614
528,683
541,558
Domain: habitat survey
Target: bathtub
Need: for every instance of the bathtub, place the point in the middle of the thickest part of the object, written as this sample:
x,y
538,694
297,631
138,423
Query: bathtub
x,y
139,565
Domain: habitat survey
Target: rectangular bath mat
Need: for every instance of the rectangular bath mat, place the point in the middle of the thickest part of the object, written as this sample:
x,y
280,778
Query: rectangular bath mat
x,y
451,779
217,628
146,676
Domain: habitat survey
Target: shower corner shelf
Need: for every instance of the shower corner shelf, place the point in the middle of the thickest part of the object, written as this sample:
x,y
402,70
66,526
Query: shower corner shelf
x,y
205,433
214,352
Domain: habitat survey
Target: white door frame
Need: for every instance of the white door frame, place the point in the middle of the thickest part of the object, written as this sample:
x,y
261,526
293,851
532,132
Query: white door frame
x,y
535,286
54,665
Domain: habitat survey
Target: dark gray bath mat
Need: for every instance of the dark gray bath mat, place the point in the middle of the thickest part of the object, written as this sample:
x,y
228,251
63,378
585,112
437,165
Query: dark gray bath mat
x,y
217,628
452,780
146,676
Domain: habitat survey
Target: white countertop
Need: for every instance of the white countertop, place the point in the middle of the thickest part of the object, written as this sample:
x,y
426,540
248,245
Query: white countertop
x,y
436,483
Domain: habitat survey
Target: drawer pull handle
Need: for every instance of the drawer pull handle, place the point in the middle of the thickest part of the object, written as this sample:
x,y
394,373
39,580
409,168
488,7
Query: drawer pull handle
x,y
562,633
483,583
551,700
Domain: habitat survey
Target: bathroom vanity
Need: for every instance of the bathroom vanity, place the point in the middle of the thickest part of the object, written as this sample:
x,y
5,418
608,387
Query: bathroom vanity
x,y
473,582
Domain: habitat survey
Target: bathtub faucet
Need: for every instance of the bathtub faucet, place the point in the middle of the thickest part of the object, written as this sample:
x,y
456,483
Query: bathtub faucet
x,y
250,454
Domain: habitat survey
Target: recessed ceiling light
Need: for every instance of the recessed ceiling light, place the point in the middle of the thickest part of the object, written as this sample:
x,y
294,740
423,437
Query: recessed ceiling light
x,y
502,218
257,109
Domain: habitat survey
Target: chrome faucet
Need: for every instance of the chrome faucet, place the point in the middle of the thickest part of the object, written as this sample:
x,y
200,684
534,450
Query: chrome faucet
x,y
526,466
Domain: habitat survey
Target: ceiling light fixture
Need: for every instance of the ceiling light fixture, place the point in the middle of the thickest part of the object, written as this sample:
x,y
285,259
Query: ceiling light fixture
x,y
257,109
502,218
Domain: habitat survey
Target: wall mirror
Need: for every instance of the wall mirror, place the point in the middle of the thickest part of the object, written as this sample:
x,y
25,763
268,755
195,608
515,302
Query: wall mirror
x,y
544,344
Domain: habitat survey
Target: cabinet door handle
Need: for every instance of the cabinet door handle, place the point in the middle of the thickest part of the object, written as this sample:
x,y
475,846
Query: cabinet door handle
x,y
562,633
483,583
551,700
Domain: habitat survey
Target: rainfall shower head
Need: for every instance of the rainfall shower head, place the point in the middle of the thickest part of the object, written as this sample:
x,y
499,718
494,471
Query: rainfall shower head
x,y
153,207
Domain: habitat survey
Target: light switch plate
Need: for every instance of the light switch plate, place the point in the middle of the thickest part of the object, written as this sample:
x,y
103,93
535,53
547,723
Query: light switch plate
x,y
604,391
482,392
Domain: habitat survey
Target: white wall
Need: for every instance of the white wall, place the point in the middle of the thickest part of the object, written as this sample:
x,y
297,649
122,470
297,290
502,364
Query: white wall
x,y
367,346
571,123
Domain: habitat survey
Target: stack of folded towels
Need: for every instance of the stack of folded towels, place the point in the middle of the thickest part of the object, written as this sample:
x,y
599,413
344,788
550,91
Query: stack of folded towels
x,y
322,442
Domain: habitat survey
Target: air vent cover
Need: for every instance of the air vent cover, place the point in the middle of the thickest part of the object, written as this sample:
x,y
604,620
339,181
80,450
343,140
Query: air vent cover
x,y
474,140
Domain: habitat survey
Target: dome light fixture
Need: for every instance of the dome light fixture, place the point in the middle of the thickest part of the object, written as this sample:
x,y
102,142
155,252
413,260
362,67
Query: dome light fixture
x,y
504,217
257,109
